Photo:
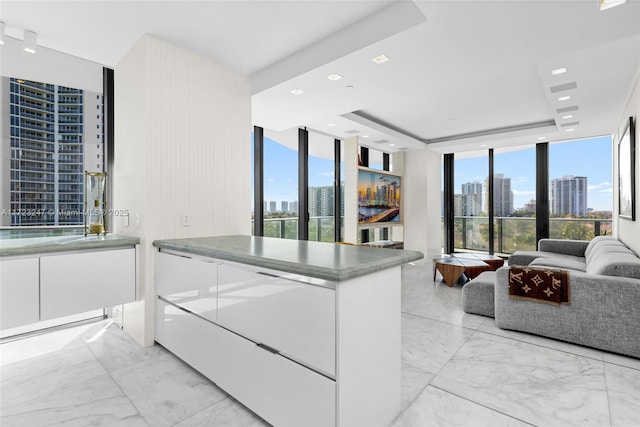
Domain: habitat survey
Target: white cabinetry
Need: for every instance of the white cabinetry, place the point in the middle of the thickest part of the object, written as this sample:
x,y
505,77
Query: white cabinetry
x,y
297,351
78,282
19,292
48,286
294,317
282,392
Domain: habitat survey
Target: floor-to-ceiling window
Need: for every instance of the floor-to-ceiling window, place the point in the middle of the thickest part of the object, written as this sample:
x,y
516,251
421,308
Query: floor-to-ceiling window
x,y
280,202
580,187
514,194
470,211
321,187
55,133
579,197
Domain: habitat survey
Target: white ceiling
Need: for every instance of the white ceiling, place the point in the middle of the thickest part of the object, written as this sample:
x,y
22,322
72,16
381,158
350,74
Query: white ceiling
x,y
462,73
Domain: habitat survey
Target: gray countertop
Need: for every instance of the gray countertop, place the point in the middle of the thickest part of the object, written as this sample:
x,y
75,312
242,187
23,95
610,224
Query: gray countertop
x,y
40,245
328,261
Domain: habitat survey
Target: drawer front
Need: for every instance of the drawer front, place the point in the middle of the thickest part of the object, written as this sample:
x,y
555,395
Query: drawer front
x,y
189,337
19,292
277,389
79,282
295,318
177,275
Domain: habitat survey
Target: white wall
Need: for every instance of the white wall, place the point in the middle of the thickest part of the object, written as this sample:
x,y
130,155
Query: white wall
x,y
350,195
422,202
182,147
626,230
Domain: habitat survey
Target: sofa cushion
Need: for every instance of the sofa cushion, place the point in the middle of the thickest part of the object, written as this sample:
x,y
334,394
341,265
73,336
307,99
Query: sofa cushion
x,y
566,262
624,264
526,257
605,248
598,240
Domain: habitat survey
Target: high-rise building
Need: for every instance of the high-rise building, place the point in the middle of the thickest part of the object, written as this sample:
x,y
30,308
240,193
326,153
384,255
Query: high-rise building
x,y
294,207
458,205
272,206
321,201
284,206
472,199
502,196
569,195
54,134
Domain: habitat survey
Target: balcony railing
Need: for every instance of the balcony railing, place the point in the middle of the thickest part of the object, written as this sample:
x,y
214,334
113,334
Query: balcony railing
x,y
321,228
515,233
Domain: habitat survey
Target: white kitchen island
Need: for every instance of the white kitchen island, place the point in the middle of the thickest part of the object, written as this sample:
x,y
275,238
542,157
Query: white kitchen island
x,y
302,333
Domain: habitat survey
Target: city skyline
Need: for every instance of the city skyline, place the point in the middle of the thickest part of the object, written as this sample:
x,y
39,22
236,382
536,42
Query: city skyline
x,y
591,158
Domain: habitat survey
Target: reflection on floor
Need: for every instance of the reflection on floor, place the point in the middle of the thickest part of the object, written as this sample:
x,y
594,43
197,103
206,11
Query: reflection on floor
x,y
458,370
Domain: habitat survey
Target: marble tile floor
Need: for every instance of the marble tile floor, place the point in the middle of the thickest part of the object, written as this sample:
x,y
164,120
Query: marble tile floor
x,y
457,370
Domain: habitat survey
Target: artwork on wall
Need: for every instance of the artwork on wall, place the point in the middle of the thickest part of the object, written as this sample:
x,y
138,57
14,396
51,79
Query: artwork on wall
x,y
627,171
378,197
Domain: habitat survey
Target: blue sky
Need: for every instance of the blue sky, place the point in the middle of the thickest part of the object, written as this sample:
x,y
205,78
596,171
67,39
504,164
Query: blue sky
x,y
281,172
587,157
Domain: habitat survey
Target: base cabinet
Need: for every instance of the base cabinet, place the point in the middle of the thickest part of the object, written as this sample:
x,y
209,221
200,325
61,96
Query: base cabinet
x,y
19,292
48,286
282,392
189,337
296,351
79,282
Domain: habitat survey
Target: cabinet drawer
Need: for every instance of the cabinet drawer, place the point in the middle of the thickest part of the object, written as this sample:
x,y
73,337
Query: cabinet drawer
x,y
189,337
79,282
279,390
181,275
19,292
295,318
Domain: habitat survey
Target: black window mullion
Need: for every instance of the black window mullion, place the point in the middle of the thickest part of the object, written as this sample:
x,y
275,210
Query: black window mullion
x,y
337,191
303,184
449,244
258,181
542,191
490,207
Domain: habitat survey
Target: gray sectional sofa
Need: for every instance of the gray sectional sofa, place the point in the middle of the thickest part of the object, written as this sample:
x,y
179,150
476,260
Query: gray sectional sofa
x,y
604,311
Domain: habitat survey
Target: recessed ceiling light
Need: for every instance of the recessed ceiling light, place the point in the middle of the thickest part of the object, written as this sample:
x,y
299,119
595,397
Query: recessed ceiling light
x,y
392,145
558,71
483,145
380,59
331,124
333,77
348,87
30,41
542,138
568,116
365,136
564,98
297,91
570,130
608,4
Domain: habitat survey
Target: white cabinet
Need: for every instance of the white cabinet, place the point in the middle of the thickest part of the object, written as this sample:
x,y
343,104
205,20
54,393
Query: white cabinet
x,y
189,337
298,351
19,292
78,282
282,392
294,317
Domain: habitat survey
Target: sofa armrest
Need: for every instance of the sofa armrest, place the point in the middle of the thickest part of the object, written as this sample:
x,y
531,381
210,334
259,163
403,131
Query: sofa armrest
x,y
562,246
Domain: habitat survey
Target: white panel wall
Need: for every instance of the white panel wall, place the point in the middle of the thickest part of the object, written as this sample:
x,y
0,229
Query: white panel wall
x,y
422,202
182,147
626,230
351,190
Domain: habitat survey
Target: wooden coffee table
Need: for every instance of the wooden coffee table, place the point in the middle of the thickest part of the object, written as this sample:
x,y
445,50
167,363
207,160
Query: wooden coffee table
x,y
454,267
